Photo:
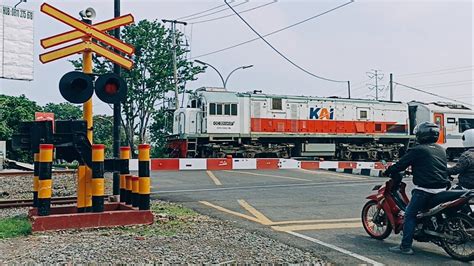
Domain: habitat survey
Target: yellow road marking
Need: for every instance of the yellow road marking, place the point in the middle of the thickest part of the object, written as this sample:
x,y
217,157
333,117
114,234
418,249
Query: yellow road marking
x,y
317,226
276,176
262,218
214,178
317,221
327,173
230,212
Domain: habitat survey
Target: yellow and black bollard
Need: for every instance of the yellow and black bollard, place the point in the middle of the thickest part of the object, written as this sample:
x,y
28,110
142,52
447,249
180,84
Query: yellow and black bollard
x,y
98,183
35,179
124,155
135,190
128,190
144,176
45,183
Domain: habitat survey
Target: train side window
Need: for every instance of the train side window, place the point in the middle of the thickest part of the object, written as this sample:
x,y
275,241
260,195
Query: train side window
x,y
465,124
212,109
193,104
277,104
451,120
219,109
233,109
227,109
362,114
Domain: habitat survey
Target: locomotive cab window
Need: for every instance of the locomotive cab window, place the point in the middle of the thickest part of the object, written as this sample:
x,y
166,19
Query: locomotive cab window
x,y
229,109
212,109
277,104
233,109
465,124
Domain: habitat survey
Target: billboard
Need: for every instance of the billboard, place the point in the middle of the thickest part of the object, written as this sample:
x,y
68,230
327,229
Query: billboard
x,y
16,43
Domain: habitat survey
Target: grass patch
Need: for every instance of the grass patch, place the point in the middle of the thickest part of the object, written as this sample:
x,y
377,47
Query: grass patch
x,y
169,220
14,227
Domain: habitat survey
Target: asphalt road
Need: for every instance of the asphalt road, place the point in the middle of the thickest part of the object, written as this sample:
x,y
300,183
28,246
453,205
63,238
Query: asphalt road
x,y
314,210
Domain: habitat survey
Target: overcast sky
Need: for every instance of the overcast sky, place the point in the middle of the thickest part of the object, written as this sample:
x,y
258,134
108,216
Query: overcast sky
x,y
399,37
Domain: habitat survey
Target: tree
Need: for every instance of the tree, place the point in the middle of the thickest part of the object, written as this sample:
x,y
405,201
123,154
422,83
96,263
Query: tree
x,y
151,78
14,110
63,111
161,127
103,132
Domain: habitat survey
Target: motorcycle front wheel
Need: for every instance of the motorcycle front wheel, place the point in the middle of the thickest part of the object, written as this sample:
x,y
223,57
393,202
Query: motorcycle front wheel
x,y
375,221
461,227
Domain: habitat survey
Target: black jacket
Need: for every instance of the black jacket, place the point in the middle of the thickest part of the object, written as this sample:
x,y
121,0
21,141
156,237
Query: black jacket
x,y
428,163
465,168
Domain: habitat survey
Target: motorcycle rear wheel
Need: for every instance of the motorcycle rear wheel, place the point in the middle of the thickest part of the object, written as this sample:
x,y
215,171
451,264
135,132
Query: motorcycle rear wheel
x,y
380,229
459,225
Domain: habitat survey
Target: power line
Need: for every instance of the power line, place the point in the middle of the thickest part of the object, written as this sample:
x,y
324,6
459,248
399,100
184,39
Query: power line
x,y
218,11
430,93
436,71
230,15
202,12
278,52
445,83
273,32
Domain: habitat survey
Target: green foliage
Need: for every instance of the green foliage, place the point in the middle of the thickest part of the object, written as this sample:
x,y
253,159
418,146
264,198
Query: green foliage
x,y
103,133
14,227
160,128
63,111
151,78
14,109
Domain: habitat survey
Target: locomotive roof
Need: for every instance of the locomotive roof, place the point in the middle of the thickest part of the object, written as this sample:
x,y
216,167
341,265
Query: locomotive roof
x,y
445,107
221,95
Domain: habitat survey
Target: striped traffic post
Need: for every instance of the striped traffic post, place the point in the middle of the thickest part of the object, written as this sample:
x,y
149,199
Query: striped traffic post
x,y
144,176
128,189
35,179
98,182
135,190
45,183
124,171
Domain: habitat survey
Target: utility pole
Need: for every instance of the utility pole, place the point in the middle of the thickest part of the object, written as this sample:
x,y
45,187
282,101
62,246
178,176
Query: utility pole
x,y
391,87
117,111
349,89
376,75
175,70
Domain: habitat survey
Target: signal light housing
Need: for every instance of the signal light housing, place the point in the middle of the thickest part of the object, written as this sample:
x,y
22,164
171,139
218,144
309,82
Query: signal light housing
x,y
110,88
76,87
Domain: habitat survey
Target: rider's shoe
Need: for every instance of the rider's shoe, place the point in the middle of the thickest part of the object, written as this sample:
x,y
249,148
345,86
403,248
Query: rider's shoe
x,y
400,250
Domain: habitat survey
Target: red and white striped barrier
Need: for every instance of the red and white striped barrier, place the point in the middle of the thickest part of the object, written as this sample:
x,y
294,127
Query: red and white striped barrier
x,y
180,164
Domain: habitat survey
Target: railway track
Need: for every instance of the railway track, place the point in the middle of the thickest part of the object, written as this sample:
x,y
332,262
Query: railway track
x,y
23,173
16,203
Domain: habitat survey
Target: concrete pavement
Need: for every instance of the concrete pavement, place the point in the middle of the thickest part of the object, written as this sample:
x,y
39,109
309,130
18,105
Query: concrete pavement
x,y
315,210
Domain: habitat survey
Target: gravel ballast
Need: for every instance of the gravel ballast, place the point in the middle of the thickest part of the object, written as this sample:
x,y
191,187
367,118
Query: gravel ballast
x,y
21,186
181,236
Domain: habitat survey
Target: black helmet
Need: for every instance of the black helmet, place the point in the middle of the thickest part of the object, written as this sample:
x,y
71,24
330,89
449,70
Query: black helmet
x,y
426,132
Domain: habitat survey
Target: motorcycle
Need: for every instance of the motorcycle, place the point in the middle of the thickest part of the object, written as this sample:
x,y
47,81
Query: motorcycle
x,y
443,223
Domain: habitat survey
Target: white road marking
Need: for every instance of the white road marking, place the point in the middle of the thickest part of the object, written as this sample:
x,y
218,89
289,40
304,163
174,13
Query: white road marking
x,y
331,246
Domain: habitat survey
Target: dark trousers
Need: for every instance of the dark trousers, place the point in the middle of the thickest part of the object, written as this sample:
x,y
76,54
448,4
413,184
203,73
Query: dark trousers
x,y
419,199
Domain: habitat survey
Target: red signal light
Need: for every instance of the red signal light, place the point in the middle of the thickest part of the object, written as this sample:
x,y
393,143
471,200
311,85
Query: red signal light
x,y
111,88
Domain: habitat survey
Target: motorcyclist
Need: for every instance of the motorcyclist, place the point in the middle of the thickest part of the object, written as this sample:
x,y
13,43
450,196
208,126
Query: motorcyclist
x,y
429,165
465,165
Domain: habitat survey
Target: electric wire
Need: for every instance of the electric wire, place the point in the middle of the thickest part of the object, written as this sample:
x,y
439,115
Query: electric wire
x,y
230,15
436,71
273,32
430,93
202,12
281,54
219,11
